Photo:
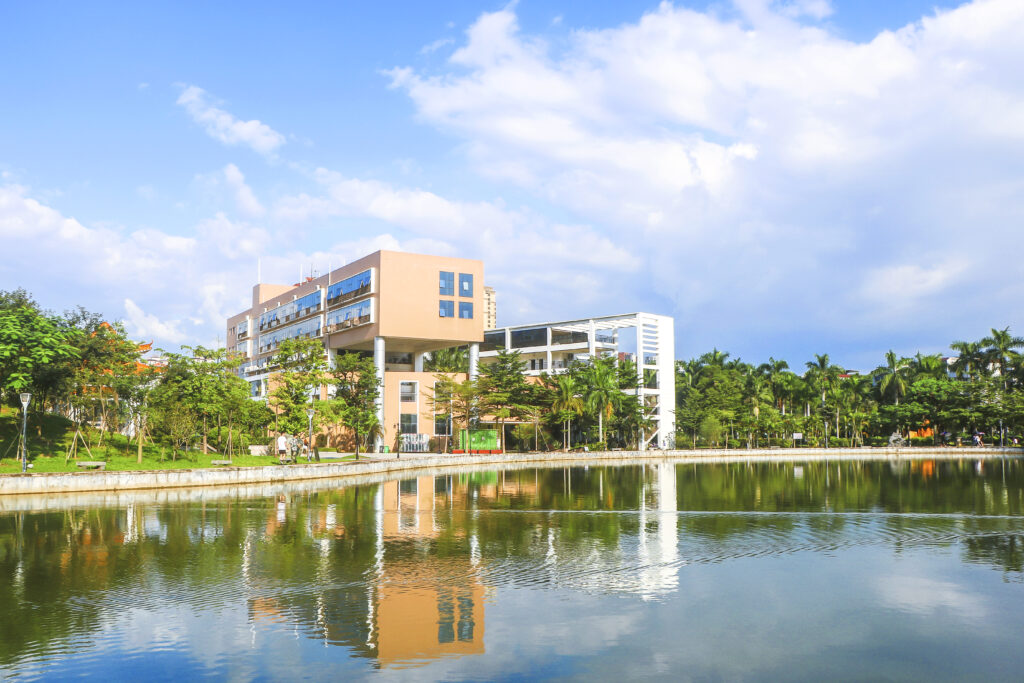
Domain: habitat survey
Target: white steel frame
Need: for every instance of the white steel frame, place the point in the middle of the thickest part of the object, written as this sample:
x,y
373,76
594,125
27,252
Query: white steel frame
x,y
655,342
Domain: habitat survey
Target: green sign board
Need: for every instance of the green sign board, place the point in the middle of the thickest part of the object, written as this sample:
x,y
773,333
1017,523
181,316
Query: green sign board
x,y
478,439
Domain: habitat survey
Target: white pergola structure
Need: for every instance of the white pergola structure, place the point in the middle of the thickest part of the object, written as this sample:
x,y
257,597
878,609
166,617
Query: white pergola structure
x,y
551,347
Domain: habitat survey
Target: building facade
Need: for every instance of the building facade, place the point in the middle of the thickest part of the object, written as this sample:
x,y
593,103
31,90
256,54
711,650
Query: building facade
x,y
552,347
490,308
399,307
394,306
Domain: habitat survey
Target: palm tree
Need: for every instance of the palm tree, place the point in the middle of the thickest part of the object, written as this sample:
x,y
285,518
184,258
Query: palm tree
x,y
892,374
821,373
601,392
454,359
772,371
567,403
969,358
1000,348
928,366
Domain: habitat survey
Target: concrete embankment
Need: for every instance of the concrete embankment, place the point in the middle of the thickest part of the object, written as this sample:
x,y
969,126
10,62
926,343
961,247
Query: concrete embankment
x,y
379,468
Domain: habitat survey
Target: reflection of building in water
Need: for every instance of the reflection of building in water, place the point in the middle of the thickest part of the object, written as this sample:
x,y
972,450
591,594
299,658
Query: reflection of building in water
x,y
659,570
425,606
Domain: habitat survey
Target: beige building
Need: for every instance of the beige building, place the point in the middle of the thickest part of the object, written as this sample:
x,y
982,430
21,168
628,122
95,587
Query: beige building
x,y
490,308
394,306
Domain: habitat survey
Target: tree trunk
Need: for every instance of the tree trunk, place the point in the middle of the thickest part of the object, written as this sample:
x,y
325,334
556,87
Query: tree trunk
x,y
204,435
138,459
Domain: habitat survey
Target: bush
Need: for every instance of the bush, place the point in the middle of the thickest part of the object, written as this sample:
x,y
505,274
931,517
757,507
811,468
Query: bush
x,y
839,442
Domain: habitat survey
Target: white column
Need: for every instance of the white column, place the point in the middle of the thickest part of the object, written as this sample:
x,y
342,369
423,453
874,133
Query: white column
x,y
417,361
547,350
474,360
640,375
378,363
592,341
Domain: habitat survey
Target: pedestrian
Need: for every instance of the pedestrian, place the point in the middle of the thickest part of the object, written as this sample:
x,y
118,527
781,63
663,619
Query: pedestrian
x,y
282,445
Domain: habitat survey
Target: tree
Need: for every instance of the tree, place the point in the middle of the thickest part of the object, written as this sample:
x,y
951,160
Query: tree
x,y
301,370
454,359
601,391
355,399
1000,348
566,404
892,375
504,391
29,340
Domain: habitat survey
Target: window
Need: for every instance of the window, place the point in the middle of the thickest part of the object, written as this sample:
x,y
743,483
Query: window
x,y
447,309
408,423
355,285
447,283
465,309
465,284
442,425
538,336
407,392
493,341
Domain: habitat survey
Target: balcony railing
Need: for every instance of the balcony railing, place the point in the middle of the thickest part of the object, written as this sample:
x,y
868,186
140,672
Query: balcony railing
x,y
346,324
349,296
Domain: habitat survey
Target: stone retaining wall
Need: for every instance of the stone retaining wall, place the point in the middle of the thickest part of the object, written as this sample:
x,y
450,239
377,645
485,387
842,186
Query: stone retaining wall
x,y
33,484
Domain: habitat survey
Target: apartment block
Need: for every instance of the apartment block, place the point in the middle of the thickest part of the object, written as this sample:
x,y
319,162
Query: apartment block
x,y
490,308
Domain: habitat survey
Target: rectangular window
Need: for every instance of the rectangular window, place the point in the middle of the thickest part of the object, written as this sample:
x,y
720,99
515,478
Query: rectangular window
x,y
465,309
447,309
408,423
442,425
407,392
465,284
447,283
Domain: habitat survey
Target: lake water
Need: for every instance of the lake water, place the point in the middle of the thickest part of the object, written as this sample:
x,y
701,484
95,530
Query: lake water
x,y
897,570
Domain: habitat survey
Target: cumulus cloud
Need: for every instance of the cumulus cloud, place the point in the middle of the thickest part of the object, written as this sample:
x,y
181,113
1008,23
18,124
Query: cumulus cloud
x,y
146,326
763,167
245,199
225,127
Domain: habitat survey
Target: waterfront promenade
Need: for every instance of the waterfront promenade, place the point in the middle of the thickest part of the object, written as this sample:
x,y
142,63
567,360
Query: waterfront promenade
x,y
383,466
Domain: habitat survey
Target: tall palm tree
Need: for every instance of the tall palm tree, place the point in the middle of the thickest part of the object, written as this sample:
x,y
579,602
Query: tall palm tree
x,y
772,371
928,366
969,359
1000,348
601,392
821,373
567,402
893,375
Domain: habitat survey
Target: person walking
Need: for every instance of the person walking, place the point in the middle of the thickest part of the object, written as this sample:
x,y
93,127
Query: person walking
x,y
282,445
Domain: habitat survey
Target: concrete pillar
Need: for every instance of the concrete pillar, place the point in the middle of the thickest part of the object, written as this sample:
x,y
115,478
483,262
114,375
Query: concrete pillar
x,y
547,351
378,363
474,360
417,361
592,341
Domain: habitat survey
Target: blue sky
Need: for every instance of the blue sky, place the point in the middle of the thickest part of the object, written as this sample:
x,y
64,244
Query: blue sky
x,y
785,178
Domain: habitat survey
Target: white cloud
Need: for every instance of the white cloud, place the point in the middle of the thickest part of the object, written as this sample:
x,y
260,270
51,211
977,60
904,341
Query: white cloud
x,y
225,127
762,167
142,325
244,197
436,45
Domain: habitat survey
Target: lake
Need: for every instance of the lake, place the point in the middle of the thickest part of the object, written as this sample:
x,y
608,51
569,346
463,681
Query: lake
x,y
851,570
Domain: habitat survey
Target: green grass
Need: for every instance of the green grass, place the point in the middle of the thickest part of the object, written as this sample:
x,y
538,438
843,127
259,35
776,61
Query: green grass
x,y
50,435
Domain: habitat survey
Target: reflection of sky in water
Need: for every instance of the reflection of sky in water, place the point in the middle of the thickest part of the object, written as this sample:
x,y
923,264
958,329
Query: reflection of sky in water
x,y
873,571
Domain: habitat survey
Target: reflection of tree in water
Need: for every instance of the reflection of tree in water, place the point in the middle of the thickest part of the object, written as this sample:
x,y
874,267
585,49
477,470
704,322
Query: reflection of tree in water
x,y
1002,551
345,568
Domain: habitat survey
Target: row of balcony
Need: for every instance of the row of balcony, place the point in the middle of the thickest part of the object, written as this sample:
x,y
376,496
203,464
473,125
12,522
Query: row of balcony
x,y
346,324
349,296
277,322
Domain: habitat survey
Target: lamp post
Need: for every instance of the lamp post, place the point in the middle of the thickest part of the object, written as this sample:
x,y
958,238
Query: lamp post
x,y
310,412
25,398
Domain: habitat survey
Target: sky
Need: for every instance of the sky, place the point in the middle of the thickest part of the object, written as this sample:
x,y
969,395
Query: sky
x,y
784,178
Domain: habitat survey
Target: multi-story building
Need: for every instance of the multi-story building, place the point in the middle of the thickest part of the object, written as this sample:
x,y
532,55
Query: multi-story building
x,y
399,307
490,308
552,347
394,306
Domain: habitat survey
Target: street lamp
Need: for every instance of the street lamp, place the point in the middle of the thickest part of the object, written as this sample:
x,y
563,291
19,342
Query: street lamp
x,y
25,398
309,454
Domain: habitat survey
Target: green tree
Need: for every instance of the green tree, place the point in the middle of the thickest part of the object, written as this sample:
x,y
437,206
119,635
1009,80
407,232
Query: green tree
x,y
301,369
355,399
454,359
29,341
892,377
601,391
565,404
504,391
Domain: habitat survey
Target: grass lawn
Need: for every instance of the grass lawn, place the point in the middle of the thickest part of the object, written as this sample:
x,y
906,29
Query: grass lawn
x,y
50,435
